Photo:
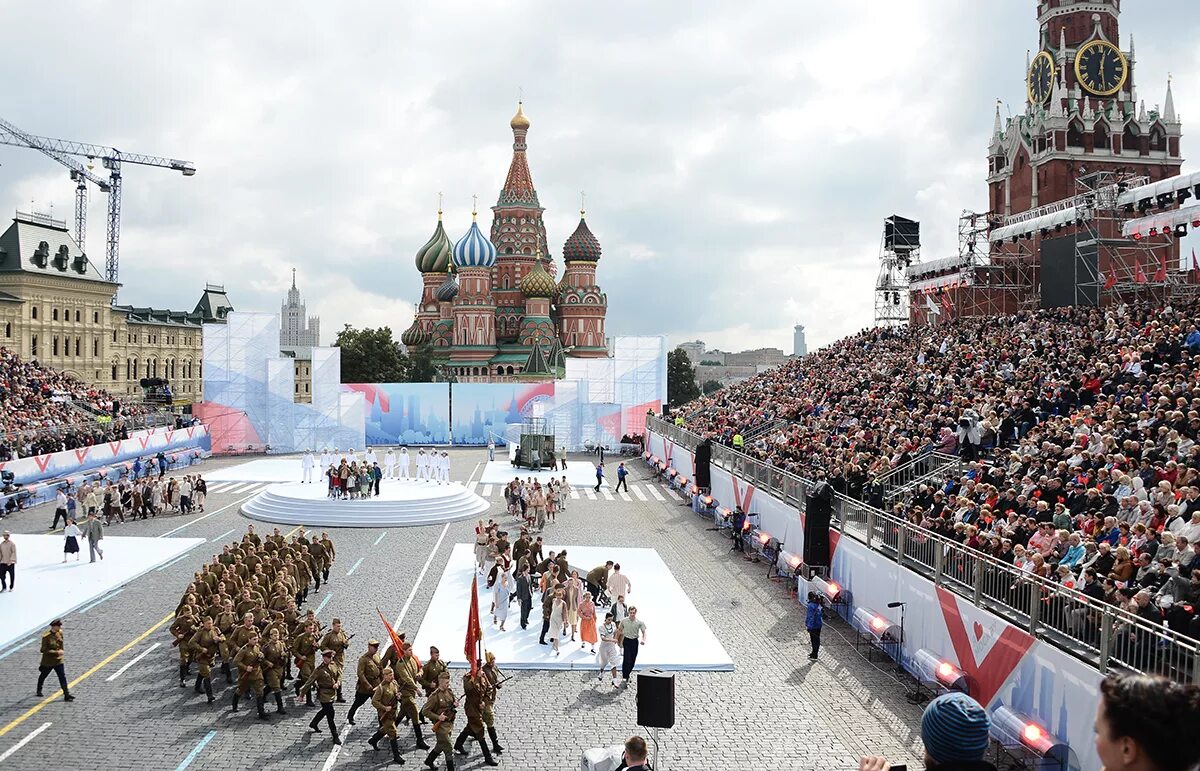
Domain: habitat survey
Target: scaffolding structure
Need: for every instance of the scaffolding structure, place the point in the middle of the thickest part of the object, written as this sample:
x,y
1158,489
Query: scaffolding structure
x,y
896,255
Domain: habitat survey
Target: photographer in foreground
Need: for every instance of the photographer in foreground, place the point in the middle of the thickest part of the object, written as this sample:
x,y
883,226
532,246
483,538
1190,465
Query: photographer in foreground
x,y
954,729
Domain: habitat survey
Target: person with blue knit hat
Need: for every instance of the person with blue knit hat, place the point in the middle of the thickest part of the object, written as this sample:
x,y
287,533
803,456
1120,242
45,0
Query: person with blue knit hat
x,y
954,729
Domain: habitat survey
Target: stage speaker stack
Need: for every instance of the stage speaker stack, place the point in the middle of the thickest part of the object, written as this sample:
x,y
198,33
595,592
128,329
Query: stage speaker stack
x,y
703,464
817,514
656,699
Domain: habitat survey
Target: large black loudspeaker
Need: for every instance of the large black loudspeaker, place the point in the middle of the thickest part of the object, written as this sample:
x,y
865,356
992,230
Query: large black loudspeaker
x,y
703,464
818,512
901,234
656,699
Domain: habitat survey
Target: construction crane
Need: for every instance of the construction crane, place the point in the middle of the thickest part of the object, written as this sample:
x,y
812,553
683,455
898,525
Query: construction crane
x,y
61,150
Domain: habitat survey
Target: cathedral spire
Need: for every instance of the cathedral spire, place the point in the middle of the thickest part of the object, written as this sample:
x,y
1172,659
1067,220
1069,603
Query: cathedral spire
x,y
518,187
1169,105
996,132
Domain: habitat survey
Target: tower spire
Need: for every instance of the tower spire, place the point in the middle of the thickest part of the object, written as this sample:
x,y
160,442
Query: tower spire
x,y
1169,104
294,270
995,126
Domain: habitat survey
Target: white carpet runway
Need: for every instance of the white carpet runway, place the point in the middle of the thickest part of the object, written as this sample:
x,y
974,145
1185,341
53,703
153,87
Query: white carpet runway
x,y
48,589
677,636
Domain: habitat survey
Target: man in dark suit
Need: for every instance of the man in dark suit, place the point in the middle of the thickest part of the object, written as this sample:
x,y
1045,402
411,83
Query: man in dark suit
x,y
524,596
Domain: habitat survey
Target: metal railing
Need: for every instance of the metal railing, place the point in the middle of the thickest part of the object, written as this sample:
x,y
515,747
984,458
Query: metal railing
x,y
1102,634
930,467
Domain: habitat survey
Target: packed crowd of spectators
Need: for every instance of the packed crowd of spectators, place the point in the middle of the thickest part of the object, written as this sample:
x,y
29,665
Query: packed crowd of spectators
x,y
1078,429
37,416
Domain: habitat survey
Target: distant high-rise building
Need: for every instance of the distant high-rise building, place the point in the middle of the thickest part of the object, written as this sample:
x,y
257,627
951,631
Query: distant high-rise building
x,y
296,328
799,346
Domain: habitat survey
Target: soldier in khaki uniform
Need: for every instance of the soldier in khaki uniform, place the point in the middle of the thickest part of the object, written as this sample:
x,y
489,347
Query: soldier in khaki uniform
x,y
204,645
370,673
493,675
330,555
386,701
182,630
275,654
441,707
226,622
249,662
474,696
304,648
336,640
406,672
327,678
433,669
52,659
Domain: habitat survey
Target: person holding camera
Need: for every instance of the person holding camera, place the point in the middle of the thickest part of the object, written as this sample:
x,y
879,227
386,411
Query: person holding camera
x,y
813,621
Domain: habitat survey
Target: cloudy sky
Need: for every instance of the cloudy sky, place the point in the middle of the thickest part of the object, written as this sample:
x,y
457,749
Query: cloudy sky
x,y
738,158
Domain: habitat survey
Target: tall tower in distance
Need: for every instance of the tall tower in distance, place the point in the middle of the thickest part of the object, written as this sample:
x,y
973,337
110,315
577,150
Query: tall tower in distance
x,y
799,345
297,329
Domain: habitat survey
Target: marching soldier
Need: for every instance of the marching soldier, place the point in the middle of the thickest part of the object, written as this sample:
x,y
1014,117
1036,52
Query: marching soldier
x,y
204,646
474,687
249,661
441,707
330,554
327,678
405,670
183,629
275,656
52,659
434,668
386,700
305,648
493,675
336,640
370,672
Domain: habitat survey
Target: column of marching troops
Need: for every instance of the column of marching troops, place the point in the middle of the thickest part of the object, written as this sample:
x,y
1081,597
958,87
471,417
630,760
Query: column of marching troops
x,y
243,607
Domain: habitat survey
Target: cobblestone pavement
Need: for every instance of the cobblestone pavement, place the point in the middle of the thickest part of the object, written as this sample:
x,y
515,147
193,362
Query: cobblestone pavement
x,y
777,710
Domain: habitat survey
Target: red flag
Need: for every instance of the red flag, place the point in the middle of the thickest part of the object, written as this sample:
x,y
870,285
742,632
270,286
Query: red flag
x,y
1160,275
396,643
1110,280
474,631
1139,275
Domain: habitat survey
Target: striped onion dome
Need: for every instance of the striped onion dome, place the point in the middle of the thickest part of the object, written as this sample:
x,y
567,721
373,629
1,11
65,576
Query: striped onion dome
x,y
434,256
582,245
538,283
474,250
414,336
448,290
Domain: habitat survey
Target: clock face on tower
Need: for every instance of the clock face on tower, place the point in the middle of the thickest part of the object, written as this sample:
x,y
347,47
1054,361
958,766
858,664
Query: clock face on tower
x,y
1039,81
1101,68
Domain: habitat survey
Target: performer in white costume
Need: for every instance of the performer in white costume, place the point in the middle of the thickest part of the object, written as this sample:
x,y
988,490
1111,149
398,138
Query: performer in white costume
x,y
445,467
422,465
404,459
326,461
389,464
371,458
308,462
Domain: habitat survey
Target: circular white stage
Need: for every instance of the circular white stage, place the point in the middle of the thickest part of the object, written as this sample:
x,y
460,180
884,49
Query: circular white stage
x,y
400,503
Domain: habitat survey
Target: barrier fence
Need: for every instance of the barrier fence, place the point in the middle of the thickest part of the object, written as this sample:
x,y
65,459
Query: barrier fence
x,y
1102,634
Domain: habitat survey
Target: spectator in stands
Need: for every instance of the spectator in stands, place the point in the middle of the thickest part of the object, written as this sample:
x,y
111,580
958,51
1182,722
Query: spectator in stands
x,y
1142,724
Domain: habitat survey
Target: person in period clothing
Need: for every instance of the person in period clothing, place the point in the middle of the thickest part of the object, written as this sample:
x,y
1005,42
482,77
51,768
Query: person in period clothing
x,y
93,531
501,596
493,685
204,645
8,562
370,672
249,662
336,640
386,701
52,659
441,707
407,671
182,630
475,686
403,461
587,622
275,663
633,633
610,653
71,534
433,669
304,648
328,679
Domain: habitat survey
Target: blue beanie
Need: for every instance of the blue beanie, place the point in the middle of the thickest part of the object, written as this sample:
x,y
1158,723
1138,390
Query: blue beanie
x,y
955,728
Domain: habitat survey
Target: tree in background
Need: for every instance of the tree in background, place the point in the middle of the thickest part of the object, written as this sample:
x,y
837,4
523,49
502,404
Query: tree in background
x,y
681,378
710,386
372,356
422,368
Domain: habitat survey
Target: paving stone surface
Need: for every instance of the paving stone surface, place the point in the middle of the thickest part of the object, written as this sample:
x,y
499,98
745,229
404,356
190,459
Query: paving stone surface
x,y
777,710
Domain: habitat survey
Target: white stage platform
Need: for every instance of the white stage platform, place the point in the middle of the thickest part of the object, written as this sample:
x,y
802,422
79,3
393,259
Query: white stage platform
x,y
400,503
579,474
48,589
677,636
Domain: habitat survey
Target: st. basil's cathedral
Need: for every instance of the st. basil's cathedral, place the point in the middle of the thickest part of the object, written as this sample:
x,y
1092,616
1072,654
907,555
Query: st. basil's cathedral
x,y
491,309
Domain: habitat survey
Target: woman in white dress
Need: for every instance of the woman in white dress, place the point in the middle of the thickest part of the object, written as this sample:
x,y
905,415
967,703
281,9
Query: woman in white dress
x,y
609,654
558,608
501,595
71,535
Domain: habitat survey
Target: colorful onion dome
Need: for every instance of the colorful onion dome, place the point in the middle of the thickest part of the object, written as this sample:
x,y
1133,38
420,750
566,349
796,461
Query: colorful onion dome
x,y
474,250
582,245
519,121
434,256
538,283
414,336
448,290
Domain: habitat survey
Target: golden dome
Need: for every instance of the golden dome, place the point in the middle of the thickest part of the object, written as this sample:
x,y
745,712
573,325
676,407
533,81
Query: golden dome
x,y
519,121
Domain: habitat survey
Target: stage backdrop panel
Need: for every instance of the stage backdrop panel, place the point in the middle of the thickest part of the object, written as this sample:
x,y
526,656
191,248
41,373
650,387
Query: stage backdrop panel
x,y
405,413
482,410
